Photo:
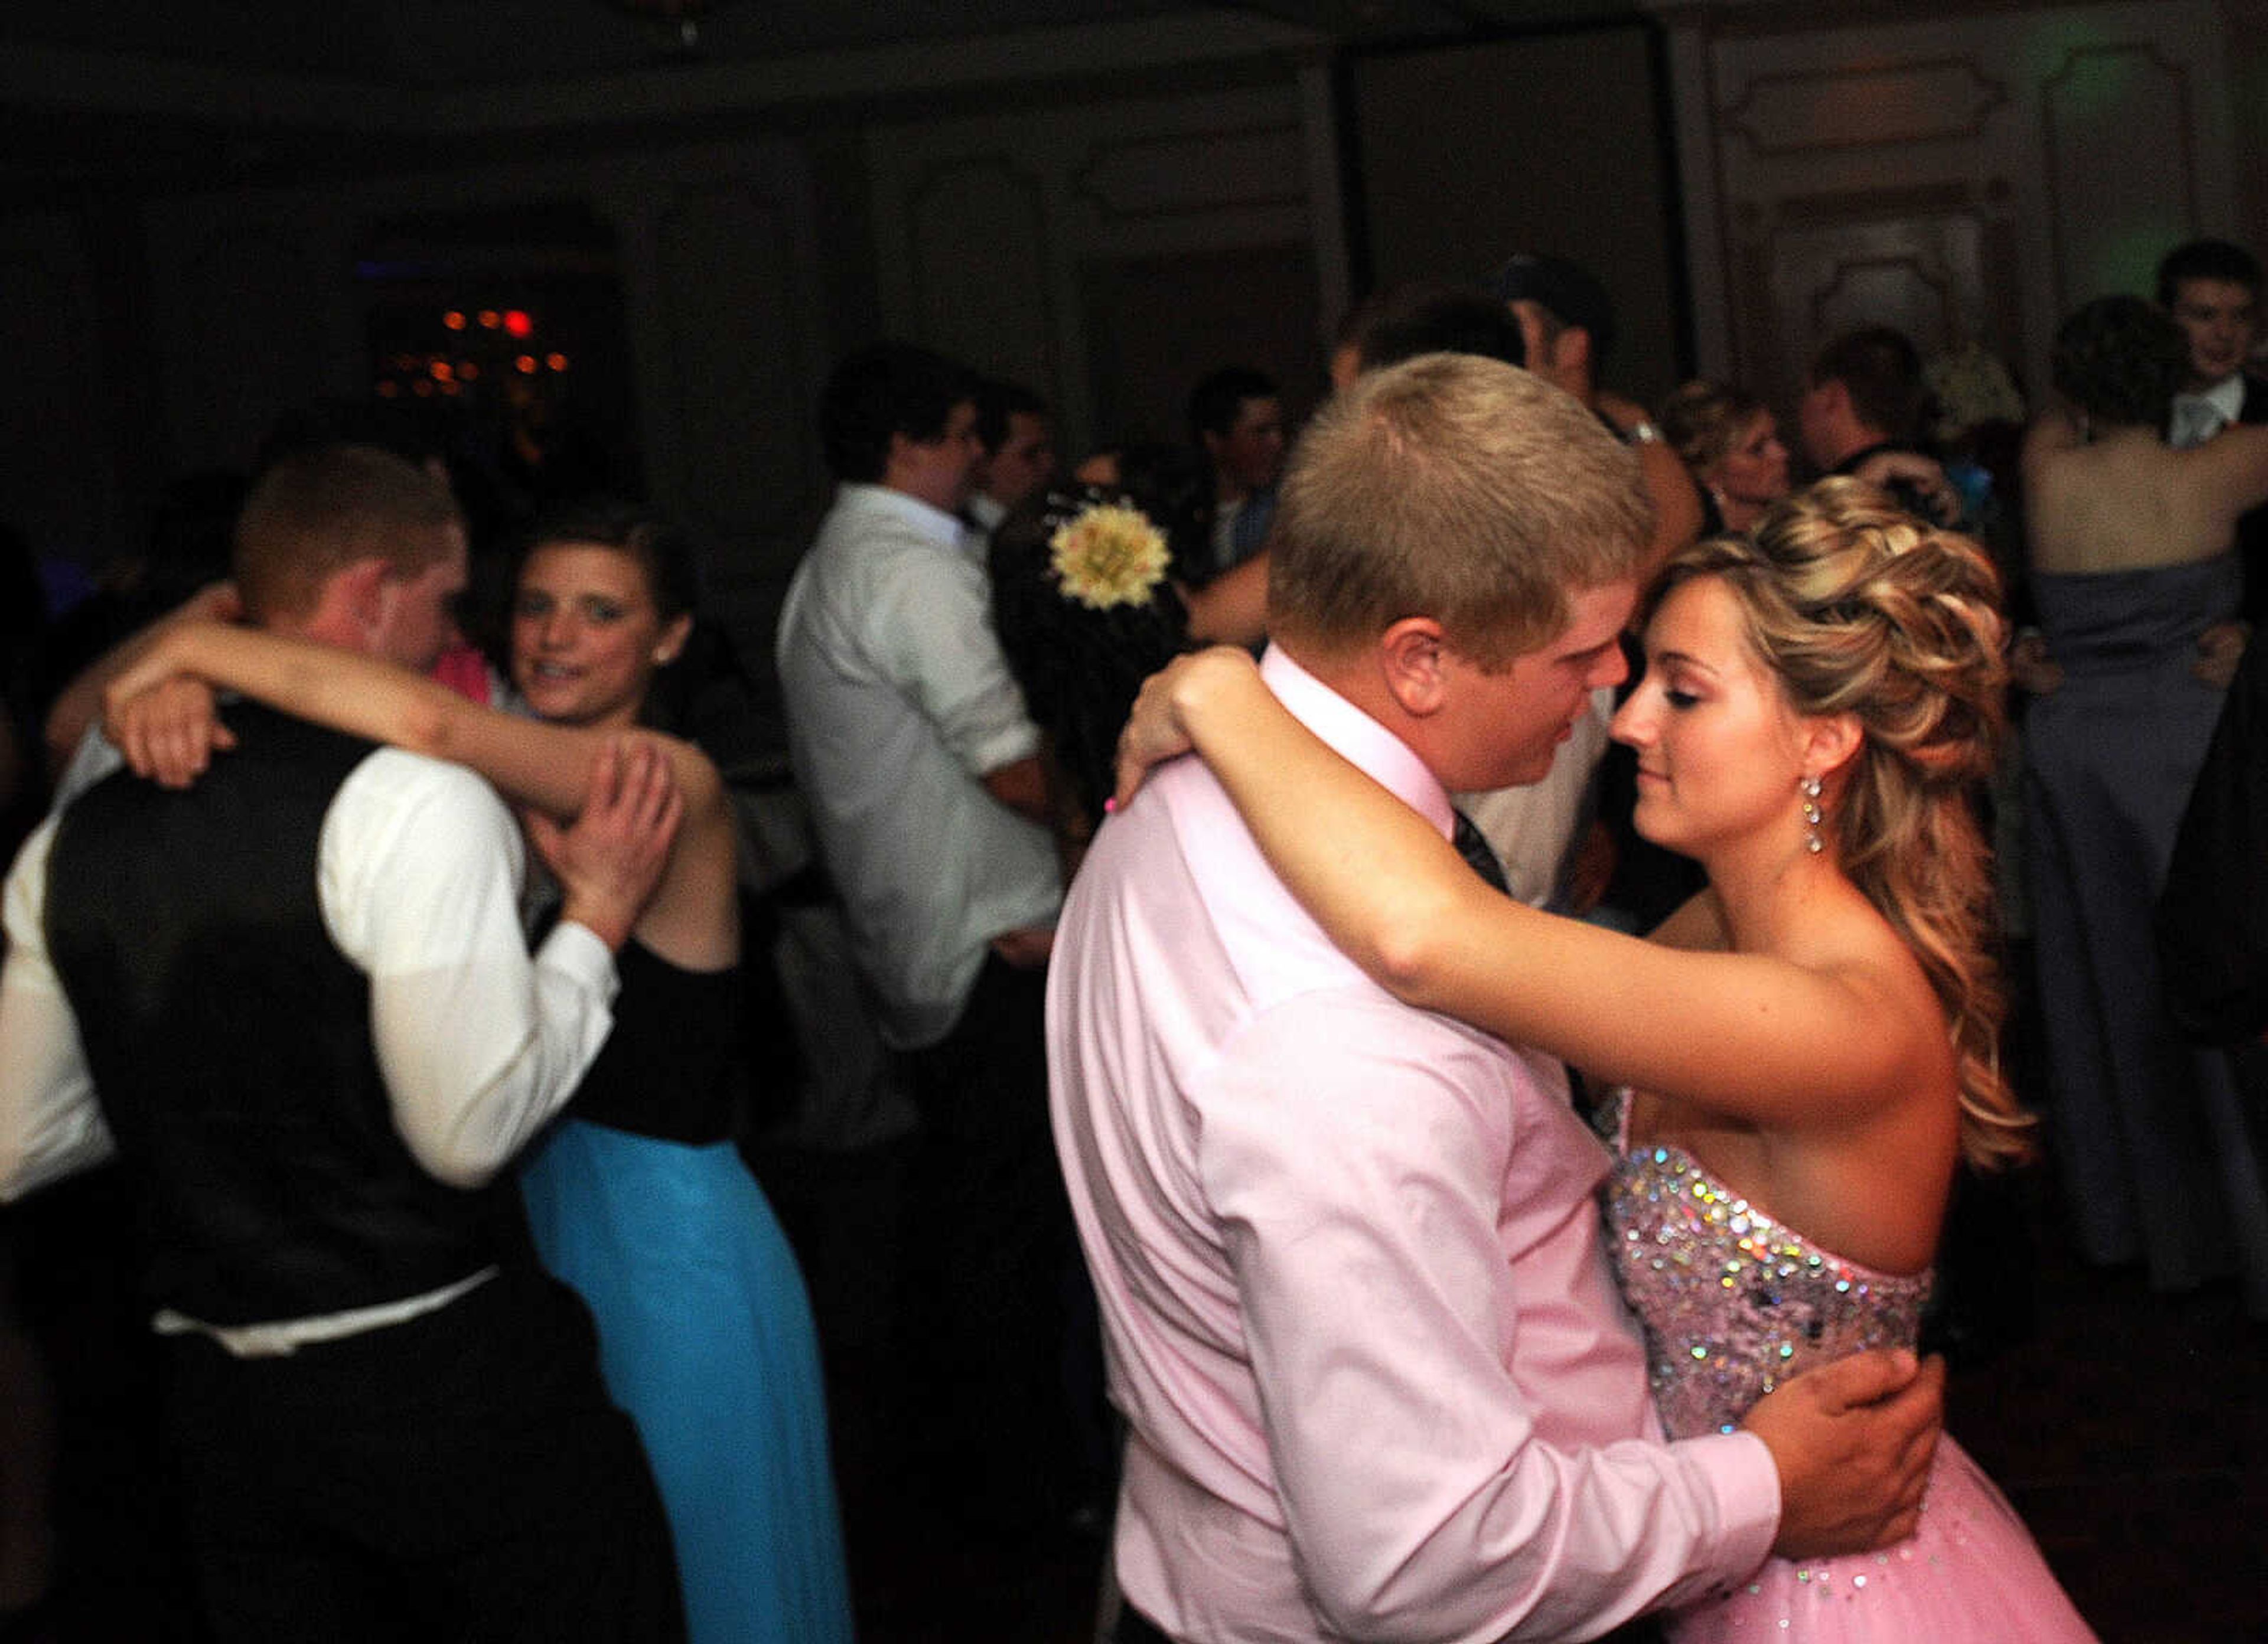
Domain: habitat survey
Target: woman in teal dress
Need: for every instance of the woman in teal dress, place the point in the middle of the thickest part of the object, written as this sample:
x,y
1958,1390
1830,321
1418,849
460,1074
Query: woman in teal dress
x,y
636,1197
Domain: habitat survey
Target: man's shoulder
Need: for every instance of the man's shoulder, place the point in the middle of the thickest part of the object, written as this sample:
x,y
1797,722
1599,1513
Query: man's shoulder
x,y
867,562
2254,408
418,792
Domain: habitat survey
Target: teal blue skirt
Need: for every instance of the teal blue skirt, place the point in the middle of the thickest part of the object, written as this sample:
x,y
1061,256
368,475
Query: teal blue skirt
x,y
706,1340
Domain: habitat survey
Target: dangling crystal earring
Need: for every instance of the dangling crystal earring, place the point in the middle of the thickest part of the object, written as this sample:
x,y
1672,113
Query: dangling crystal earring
x,y
1812,816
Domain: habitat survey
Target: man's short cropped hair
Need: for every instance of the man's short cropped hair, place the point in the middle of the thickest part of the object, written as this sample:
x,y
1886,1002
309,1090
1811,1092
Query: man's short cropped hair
x,y
1217,401
1453,487
1433,317
887,389
318,511
996,403
2206,259
1880,369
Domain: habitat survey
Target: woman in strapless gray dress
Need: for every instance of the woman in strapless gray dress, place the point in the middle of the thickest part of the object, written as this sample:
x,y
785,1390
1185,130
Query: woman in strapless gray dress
x,y
2134,580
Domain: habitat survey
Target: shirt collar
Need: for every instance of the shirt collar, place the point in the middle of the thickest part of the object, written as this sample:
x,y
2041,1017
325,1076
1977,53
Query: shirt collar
x,y
1359,738
934,523
2225,396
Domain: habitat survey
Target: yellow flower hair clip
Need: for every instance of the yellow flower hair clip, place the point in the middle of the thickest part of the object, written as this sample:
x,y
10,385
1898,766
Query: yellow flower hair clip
x,y
1108,553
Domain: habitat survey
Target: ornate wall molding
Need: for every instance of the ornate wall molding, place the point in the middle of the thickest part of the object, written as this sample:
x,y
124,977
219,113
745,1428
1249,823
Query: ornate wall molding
x,y
1863,107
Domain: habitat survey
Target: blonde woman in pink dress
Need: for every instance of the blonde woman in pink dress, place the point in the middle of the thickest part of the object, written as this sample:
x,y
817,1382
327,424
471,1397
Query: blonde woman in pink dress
x,y
1803,1054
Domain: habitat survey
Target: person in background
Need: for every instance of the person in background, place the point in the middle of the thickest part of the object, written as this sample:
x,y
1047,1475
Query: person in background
x,y
1236,421
1016,452
1730,441
921,768
1568,321
2212,288
2131,563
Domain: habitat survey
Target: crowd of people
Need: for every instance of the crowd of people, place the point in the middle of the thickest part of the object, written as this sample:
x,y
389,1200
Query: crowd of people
x,y
1466,1155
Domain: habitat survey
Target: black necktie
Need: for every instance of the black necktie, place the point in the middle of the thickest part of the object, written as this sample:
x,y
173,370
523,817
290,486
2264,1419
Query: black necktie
x,y
1473,846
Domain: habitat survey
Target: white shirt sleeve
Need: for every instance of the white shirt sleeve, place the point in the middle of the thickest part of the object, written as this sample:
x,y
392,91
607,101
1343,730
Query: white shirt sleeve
x,y
49,1125
931,626
480,1046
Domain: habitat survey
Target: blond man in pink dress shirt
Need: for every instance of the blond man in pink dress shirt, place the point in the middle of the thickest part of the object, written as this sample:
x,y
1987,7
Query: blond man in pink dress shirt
x,y
1377,1381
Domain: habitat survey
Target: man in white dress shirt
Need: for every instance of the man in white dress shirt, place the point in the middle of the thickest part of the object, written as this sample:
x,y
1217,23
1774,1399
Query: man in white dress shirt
x,y
295,1003
921,769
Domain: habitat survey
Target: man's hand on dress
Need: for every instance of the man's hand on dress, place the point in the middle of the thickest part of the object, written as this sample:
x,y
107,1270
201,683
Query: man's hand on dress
x,y
2030,668
2219,649
1026,948
1852,1440
608,862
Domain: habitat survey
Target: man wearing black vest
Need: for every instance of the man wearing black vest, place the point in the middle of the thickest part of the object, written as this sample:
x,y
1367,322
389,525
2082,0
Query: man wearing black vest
x,y
294,1002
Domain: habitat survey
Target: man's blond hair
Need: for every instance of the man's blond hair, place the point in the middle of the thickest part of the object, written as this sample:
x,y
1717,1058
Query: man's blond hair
x,y
315,513
1457,488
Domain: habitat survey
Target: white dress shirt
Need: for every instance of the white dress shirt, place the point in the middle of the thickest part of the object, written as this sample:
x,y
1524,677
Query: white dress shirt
x,y
2198,418
898,703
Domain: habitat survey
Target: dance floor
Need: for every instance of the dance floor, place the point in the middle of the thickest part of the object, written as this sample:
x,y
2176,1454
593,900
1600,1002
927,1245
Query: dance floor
x,y
2129,1430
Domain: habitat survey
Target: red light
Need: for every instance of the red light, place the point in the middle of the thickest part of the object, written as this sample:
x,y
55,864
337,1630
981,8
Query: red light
x,y
455,319
525,364
556,361
517,322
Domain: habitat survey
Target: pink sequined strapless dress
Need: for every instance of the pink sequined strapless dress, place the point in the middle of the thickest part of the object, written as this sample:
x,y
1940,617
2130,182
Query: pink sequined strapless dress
x,y
1733,1304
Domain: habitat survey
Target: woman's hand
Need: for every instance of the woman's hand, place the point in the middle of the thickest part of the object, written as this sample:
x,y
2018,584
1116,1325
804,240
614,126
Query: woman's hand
x,y
164,657
1158,729
168,731
609,862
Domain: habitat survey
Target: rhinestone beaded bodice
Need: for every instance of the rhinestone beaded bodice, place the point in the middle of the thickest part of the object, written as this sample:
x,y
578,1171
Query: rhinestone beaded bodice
x,y
1734,1302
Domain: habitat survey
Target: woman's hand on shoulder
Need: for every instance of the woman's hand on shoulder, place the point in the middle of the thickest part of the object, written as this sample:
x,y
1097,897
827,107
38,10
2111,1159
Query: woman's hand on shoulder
x,y
609,862
1162,725
168,731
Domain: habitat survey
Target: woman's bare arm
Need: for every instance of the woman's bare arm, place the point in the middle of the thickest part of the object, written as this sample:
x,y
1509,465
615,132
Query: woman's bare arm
x,y
546,767
81,703
1746,1036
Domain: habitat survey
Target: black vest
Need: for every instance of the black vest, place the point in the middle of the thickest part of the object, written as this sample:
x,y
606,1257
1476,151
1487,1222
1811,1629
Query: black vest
x,y
230,1044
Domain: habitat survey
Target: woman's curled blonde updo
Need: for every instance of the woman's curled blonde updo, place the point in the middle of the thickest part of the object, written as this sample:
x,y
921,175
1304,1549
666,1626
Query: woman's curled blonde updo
x,y
1858,607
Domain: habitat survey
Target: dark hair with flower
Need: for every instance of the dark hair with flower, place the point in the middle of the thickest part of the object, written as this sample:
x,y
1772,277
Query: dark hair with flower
x,y
1086,611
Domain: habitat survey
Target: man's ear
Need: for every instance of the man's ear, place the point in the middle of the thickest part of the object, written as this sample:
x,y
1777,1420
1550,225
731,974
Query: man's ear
x,y
1410,655
671,645
894,459
358,594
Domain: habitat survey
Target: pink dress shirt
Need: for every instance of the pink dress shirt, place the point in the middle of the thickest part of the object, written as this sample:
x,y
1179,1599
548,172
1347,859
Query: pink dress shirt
x,y
1379,1382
